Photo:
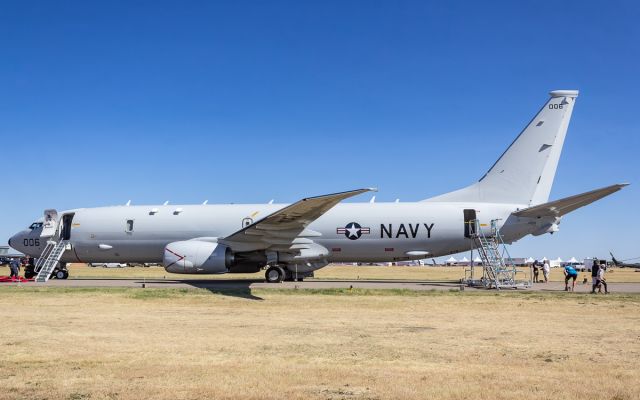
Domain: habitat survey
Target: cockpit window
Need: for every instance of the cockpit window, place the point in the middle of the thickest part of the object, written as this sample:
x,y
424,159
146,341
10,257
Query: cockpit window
x,y
35,225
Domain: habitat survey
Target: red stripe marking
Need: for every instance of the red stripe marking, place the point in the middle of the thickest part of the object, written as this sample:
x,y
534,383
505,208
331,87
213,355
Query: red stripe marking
x,y
180,258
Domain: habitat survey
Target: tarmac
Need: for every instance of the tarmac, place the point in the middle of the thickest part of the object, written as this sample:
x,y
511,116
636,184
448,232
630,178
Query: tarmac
x,y
219,285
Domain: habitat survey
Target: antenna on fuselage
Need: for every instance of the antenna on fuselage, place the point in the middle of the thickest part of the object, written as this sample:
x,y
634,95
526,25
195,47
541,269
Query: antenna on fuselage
x,y
165,203
373,199
128,203
204,203
270,201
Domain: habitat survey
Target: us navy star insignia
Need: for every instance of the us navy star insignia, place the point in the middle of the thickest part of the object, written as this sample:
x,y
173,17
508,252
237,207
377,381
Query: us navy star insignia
x,y
353,231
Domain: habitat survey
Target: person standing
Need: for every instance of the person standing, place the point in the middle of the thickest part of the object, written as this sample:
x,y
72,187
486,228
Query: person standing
x,y
570,273
601,280
536,271
594,274
14,266
546,268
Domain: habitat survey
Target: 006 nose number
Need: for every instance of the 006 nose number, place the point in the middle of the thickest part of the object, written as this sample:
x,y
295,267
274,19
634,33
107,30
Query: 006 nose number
x,y
31,242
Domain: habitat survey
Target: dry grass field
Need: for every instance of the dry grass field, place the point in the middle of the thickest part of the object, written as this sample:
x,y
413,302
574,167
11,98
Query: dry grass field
x,y
169,344
332,272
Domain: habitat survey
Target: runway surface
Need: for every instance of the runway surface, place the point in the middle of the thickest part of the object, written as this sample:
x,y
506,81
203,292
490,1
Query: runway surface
x,y
245,284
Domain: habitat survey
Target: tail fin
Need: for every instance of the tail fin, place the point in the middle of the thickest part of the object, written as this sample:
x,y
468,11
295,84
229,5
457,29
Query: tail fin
x,y
615,262
524,173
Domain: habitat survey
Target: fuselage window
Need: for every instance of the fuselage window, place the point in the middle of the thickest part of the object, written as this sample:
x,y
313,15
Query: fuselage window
x,y
129,227
35,225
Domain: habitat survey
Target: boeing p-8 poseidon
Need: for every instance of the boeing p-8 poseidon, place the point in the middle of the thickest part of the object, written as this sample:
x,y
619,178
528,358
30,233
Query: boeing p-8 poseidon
x,y
315,231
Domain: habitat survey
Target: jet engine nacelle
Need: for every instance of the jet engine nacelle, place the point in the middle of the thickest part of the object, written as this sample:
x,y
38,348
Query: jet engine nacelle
x,y
197,257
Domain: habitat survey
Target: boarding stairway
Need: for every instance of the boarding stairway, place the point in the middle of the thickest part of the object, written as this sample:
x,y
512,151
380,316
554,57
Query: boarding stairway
x,y
49,259
499,271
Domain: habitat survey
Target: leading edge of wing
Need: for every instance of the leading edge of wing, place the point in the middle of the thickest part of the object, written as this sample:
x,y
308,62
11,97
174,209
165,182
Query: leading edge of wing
x,y
558,208
298,215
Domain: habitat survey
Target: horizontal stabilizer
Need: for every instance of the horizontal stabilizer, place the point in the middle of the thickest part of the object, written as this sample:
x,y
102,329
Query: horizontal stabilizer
x,y
564,206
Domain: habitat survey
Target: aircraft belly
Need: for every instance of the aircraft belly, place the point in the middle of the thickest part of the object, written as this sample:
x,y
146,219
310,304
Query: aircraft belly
x,y
373,250
149,251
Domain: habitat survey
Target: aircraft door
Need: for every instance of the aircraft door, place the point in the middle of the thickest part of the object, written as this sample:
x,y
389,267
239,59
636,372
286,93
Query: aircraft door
x,y
469,222
50,223
65,233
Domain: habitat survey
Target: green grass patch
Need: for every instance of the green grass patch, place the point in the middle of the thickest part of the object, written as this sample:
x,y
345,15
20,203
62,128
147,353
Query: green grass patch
x,y
532,295
152,294
257,294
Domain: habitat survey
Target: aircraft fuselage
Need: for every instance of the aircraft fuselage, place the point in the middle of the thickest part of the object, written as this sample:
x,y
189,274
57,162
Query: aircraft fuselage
x,y
351,232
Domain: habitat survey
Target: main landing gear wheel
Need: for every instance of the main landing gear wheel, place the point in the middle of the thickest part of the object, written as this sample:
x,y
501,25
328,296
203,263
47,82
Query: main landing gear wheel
x,y
274,274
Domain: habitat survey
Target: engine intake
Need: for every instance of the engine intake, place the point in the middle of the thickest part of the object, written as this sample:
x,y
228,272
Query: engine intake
x,y
197,257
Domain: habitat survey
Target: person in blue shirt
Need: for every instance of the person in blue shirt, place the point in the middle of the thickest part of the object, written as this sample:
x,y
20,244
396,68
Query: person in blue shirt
x,y
570,273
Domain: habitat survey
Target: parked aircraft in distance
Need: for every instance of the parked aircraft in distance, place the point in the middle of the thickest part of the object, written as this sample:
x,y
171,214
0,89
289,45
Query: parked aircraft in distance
x,y
623,264
292,240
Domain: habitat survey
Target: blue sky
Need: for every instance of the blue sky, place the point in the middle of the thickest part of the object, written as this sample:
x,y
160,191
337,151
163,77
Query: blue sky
x,y
245,101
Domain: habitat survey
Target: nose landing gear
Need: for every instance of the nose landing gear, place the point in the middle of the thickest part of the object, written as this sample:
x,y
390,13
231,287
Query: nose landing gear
x,y
60,272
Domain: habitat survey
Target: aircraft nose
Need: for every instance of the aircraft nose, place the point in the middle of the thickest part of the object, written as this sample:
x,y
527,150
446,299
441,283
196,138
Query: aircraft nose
x,y
15,240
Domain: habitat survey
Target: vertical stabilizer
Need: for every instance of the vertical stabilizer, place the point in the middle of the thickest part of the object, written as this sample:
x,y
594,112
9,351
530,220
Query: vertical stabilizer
x,y
524,173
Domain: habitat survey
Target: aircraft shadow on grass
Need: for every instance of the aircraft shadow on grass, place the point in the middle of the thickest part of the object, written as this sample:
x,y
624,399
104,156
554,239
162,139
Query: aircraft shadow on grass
x,y
235,288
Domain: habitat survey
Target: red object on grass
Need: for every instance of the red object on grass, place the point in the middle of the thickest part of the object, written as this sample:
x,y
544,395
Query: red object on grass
x,y
12,279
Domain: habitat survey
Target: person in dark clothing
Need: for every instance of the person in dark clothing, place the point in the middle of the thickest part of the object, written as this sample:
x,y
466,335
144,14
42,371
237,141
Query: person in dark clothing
x,y
536,271
594,275
14,266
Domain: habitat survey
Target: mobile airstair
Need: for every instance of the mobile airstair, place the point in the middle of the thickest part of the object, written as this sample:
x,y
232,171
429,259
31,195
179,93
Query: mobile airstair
x,y
53,251
49,259
498,270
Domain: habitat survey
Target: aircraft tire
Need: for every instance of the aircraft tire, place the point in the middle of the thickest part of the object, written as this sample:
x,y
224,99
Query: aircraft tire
x,y
66,275
59,274
274,274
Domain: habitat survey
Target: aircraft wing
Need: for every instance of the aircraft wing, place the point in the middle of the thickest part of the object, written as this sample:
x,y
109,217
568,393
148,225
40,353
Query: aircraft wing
x,y
288,223
564,206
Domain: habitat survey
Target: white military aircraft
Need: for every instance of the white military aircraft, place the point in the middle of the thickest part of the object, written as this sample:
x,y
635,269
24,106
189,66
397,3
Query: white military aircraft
x,y
298,238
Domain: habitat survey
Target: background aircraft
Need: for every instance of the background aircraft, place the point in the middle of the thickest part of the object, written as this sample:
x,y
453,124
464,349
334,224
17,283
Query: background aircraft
x,y
623,264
